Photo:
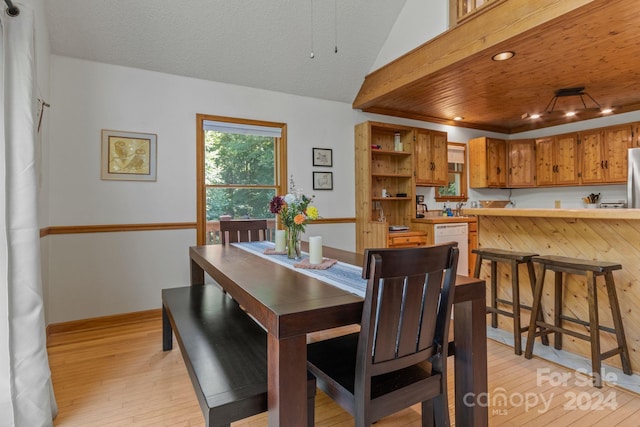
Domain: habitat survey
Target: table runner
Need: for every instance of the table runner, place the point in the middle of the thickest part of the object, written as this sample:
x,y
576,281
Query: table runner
x,y
342,275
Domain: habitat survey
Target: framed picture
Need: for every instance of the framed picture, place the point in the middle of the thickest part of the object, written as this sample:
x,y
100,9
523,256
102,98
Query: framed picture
x,y
323,180
323,157
128,156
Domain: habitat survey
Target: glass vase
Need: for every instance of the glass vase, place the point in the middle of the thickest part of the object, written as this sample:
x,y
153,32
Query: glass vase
x,y
293,243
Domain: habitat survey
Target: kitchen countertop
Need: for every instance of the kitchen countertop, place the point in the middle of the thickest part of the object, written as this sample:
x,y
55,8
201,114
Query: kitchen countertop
x,y
556,213
439,219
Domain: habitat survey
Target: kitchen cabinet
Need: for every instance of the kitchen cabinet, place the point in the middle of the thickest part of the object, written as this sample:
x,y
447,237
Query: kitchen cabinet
x,y
521,163
604,154
487,163
430,152
385,184
557,160
407,239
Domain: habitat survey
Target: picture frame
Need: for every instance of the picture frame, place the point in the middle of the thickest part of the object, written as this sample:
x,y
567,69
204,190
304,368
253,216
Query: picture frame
x,y
128,156
323,157
323,180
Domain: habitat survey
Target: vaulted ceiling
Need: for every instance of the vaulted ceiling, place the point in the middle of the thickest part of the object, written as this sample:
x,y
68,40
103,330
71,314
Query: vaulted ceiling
x,y
263,44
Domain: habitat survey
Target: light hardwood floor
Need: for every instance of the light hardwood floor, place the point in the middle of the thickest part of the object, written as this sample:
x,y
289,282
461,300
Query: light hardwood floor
x,y
119,376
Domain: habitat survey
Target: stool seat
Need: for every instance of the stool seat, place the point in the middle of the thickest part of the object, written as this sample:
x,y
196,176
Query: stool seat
x,y
592,269
503,254
513,259
580,266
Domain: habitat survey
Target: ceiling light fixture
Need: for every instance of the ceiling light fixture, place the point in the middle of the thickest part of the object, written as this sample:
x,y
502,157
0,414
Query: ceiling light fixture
x,y
458,118
503,56
571,92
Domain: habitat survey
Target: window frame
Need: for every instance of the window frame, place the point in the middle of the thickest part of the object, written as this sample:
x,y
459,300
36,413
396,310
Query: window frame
x,y
201,187
464,187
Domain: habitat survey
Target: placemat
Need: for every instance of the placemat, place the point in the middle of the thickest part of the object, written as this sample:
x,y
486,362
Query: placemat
x,y
341,275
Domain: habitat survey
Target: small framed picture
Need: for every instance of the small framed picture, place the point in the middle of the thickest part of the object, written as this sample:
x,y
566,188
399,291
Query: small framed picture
x,y
323,157
128,156
323,180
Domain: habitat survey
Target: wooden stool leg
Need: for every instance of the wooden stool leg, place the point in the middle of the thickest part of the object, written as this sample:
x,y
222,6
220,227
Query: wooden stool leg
x,y
494,294
532,280
594,328
476,271
617,323
557,312
515,294
535,309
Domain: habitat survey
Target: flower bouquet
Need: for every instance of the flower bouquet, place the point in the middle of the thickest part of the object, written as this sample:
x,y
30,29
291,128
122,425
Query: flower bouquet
x,y
295,212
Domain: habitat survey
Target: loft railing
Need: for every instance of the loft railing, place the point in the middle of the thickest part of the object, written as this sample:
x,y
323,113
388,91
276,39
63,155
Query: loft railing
x,y
461,10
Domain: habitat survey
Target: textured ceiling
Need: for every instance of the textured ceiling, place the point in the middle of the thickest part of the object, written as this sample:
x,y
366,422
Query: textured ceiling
x,y
257,43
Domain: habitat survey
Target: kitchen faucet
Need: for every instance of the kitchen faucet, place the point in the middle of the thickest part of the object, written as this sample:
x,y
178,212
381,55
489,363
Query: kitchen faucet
x,y
459,206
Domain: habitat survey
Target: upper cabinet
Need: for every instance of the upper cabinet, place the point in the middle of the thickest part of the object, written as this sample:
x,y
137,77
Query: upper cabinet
x,y
521,163
430,151
557,160
589,157
604,154
487,163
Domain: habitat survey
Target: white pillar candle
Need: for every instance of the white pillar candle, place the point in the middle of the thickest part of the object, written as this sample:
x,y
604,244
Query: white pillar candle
x,y
315,250
280,240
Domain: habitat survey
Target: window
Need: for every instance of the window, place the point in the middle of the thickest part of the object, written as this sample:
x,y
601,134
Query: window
x,y
457,188
241,165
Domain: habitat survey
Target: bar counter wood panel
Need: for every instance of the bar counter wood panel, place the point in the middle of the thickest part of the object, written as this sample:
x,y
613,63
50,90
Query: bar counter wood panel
x,y
602,234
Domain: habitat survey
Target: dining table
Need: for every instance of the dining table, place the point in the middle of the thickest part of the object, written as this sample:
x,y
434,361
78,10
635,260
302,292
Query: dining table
x,y
290,304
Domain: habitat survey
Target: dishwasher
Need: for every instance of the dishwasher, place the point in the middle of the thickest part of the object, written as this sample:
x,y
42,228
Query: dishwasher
x,y
455,232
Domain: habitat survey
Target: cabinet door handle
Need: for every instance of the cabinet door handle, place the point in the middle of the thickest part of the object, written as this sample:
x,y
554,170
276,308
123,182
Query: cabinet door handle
x,y
606,164
498,171
601,164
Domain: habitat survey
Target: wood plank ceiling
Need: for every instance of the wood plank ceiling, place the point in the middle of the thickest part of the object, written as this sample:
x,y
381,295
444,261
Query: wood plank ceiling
x,y
557,44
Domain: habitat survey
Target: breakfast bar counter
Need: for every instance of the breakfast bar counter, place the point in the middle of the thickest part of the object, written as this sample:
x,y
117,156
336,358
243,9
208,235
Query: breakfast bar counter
x,y
593,234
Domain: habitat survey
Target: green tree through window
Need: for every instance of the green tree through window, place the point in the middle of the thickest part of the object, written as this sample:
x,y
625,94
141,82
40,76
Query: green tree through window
x,y
237,167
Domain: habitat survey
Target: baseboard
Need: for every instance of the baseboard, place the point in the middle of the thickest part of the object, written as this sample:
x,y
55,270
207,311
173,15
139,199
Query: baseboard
x,y
103,322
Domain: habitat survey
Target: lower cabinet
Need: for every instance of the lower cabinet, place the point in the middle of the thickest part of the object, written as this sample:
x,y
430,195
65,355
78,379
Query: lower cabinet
x,y
407,239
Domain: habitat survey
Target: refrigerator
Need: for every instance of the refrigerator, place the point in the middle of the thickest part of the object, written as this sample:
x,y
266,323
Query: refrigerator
x,y
633,183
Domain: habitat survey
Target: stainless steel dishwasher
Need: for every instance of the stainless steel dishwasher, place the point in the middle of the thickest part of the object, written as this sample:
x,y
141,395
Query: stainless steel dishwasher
x,y
455,232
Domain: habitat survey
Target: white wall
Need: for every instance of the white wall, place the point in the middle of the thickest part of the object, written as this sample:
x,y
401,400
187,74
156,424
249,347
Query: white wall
x,y
108,273
418,22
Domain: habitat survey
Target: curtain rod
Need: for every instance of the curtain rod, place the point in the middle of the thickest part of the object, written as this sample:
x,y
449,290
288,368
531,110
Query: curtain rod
x,y
12,10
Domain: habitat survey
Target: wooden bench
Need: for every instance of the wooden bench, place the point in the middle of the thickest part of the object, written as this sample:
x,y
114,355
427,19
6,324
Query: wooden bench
x,y
225,352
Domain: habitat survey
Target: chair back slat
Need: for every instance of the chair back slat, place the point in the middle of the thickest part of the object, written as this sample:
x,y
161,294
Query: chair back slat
x,y
245,230
408,293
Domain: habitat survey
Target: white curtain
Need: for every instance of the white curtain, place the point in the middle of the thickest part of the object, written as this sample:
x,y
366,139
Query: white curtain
x,y
26,392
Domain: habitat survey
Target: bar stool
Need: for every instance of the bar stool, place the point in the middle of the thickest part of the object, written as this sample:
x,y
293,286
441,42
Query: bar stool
x,y
591,269
514,259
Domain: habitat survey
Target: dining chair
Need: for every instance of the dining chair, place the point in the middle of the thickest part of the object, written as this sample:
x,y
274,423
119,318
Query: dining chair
x,y
243,230
399,357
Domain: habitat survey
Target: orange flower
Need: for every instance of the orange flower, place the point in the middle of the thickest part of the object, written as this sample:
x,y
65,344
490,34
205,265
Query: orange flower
x,y
299,219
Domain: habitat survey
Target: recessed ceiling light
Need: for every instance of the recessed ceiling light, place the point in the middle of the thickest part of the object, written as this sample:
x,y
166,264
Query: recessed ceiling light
x,y
458,118
570,113
607,111
503,56
535,116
